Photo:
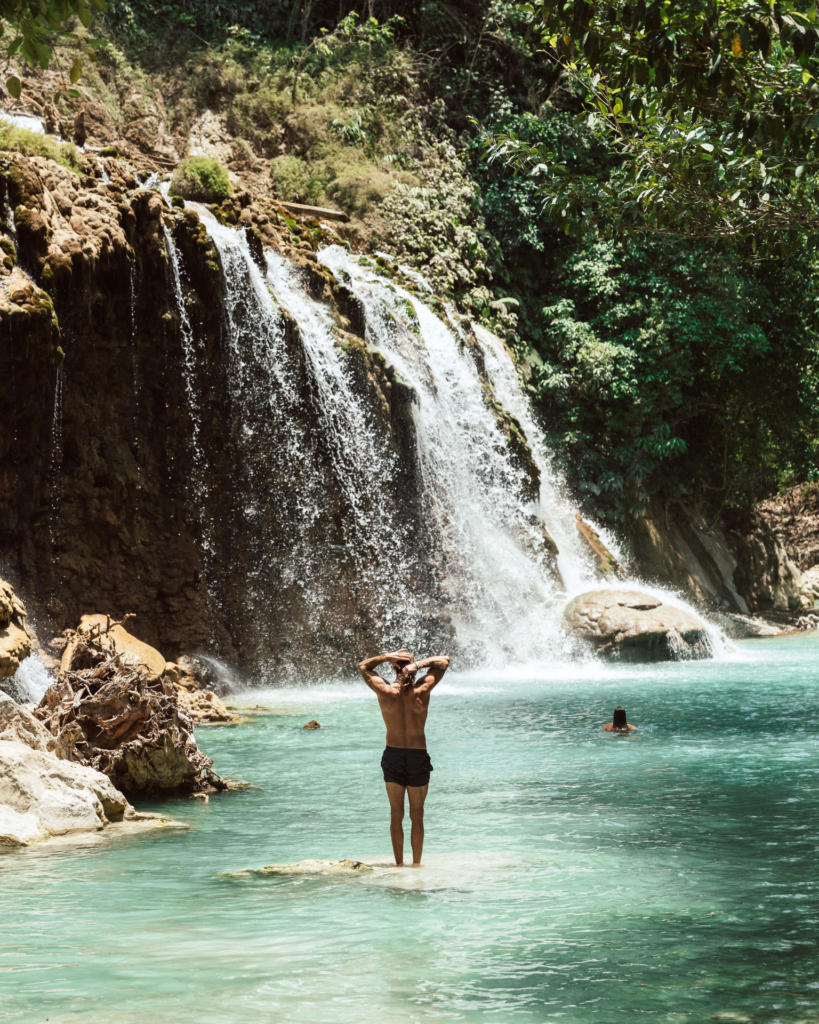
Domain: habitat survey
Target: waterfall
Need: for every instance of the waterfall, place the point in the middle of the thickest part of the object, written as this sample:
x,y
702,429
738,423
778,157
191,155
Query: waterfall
x,y
337,529
499,586
311,464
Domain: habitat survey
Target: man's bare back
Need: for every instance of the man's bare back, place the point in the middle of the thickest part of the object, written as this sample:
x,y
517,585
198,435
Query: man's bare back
x,y
406,765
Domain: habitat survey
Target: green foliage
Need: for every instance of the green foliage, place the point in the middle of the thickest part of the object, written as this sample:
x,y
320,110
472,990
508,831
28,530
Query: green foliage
x,y
668,369
712,107
437,226
661,367
202,179
21,140
32,26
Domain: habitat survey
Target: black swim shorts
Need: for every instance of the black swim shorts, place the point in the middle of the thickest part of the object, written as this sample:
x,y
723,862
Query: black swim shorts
x,y
406,766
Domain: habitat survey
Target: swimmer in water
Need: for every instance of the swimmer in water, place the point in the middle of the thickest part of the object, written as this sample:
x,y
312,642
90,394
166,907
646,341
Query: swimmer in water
x,y
619,724
406,765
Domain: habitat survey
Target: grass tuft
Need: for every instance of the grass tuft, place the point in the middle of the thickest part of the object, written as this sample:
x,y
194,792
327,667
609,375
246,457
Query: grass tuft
x,y
21,140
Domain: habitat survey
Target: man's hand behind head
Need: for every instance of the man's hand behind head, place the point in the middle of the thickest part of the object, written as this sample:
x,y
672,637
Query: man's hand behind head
x,y
399,658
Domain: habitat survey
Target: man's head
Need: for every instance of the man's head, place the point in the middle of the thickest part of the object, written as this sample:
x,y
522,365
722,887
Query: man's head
x,y
405,658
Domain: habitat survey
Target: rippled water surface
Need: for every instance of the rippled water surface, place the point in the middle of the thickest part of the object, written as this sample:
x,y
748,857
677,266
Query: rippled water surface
x,y
569,875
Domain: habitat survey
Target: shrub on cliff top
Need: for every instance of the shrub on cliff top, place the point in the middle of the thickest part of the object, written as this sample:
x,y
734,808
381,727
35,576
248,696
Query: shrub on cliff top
x,y
21,140
202,179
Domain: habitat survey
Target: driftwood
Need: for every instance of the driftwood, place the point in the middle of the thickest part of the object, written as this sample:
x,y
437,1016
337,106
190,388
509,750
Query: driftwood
x,y
809,621
121,724
72,639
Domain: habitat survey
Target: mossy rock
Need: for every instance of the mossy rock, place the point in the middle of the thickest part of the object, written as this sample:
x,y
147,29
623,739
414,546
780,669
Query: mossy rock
x,y
201,179
178,202
9,249
109,151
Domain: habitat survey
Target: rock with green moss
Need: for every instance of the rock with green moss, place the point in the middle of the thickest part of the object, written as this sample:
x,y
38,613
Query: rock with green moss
x,y
201,179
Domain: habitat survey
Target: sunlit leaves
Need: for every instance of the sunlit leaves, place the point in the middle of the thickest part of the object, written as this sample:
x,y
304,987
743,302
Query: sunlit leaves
x,y
709,106
35,22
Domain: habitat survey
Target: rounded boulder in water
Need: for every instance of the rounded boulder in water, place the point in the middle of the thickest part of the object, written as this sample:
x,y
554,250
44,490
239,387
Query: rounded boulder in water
x,y
632,626
313,724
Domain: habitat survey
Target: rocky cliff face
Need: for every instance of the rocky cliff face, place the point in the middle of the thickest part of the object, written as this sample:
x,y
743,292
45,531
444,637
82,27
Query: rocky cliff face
x,y
740,570
114,488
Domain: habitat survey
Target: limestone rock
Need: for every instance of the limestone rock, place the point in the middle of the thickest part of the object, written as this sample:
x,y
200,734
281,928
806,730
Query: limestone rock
x,y
743,627
41,796
606,565
15,643
198,673
742,570
630,626
18,725
204,707
317,867
114,638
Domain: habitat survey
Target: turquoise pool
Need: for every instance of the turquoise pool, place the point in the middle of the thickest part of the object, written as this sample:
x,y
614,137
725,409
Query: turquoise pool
x,y
571,876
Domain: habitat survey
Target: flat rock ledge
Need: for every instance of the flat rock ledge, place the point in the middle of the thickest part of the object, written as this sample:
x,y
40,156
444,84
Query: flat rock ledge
x,y
634,627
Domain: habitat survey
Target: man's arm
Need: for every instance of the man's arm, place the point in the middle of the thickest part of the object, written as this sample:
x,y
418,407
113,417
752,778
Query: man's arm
x,y
372,679
429,680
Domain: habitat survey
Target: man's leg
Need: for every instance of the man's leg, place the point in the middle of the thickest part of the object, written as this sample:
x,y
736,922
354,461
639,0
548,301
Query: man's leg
x,y
396,795
417,796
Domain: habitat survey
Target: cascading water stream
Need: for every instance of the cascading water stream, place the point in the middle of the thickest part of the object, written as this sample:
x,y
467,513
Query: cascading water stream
x,y
56,459
329,423
189,348
496,560
574,561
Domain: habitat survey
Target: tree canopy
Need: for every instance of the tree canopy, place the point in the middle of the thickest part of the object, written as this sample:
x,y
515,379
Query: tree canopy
x,y
711,107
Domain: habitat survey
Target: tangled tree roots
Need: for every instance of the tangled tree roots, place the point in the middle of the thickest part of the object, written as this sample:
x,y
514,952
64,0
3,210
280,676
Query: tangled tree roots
x,y
119,723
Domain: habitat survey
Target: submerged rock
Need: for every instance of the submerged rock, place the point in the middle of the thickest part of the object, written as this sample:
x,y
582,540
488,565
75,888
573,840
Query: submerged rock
x,y
631,626
312,724
316,867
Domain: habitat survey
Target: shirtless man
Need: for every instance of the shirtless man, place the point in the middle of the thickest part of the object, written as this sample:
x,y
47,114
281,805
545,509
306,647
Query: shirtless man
x,y
406,765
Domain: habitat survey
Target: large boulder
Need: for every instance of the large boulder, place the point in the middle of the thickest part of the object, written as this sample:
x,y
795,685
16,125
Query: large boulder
x,y
628,625
42,796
